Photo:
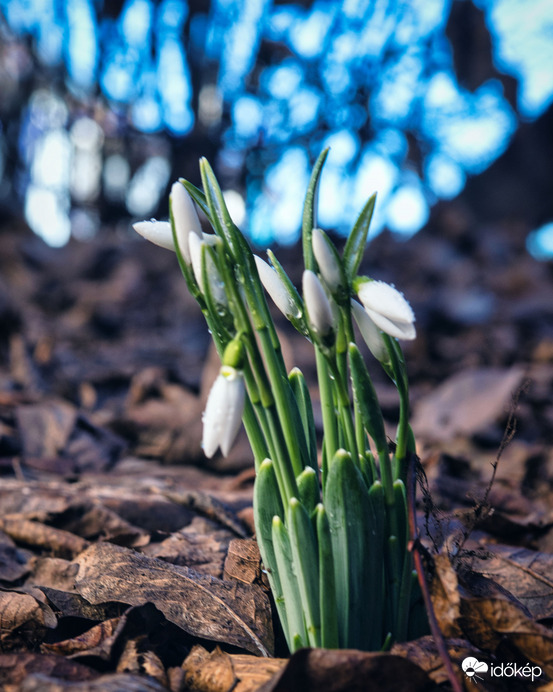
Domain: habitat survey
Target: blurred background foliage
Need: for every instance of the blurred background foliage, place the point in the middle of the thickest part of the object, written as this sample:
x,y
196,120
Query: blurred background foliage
x,y
104,103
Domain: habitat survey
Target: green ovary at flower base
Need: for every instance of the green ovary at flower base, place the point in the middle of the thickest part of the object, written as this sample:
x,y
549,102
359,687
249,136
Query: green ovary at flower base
x,y
333,536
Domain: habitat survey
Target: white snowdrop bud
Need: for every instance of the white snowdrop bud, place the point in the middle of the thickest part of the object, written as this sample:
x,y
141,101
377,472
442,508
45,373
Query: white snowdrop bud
x,y
388,309
276,288
223,411
185,217
328,264
370,332
319,310
157,232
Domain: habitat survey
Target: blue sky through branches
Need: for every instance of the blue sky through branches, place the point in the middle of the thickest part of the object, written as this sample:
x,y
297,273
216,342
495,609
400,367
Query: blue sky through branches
x,y
367,78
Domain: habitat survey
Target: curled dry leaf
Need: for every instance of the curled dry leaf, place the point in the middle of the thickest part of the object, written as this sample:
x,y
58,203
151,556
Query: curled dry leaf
x,y
527,574
23,620
220,672
202,606
52,572
446,599
491,616
243,561
424,653
138,660
465,403
488,615
13,561
313,670
202,545
209,672
91,639
106,683
33,533
16,668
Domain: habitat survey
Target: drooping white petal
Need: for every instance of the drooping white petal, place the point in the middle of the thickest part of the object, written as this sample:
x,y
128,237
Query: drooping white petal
x,y
386,300
275,287
388,309
399,330
223,412
157,232
185,218
328,266
370,332
235,397
317,304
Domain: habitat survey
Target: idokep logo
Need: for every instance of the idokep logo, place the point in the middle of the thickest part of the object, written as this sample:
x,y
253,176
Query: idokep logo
x,y
475,670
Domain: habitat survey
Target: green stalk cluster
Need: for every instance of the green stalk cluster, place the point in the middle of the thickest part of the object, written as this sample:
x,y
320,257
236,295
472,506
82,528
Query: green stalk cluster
x,y
333,535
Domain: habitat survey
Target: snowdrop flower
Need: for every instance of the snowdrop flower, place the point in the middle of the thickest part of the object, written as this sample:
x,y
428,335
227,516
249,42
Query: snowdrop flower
x,y
319,310
157,232
328,264
185,217
216,285
370,332
387,308
223,412
275,287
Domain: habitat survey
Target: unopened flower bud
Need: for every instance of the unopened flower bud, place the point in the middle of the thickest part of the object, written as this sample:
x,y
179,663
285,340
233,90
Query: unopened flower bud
x,y
387,308
157,232
370,332
318,307
185,218
223,411
275,287
326,259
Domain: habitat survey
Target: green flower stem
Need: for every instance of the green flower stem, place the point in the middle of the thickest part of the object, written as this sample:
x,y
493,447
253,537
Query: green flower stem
x,y
255,434
360,433
344,409
328,411
404,599
283,395
400,379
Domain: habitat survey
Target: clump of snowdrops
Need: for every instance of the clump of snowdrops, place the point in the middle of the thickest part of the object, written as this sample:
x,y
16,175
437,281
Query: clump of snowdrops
x,y
333,536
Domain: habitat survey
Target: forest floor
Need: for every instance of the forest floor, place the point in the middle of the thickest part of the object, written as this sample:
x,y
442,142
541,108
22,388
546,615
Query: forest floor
x,y
126,558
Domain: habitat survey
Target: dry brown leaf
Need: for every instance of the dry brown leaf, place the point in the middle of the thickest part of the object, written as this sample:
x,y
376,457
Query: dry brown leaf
x,y
321,670
17,668
67,604
22,620
445,596
527,574
205,607
202,546
221,672
137,659
424,653
52,572
95,521
45,428
14,562
465,403
243,561
489,621
33,533
106,683
91,639
209,672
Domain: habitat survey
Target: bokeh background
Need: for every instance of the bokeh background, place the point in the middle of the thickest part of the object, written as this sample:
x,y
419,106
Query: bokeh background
x,y
104,103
